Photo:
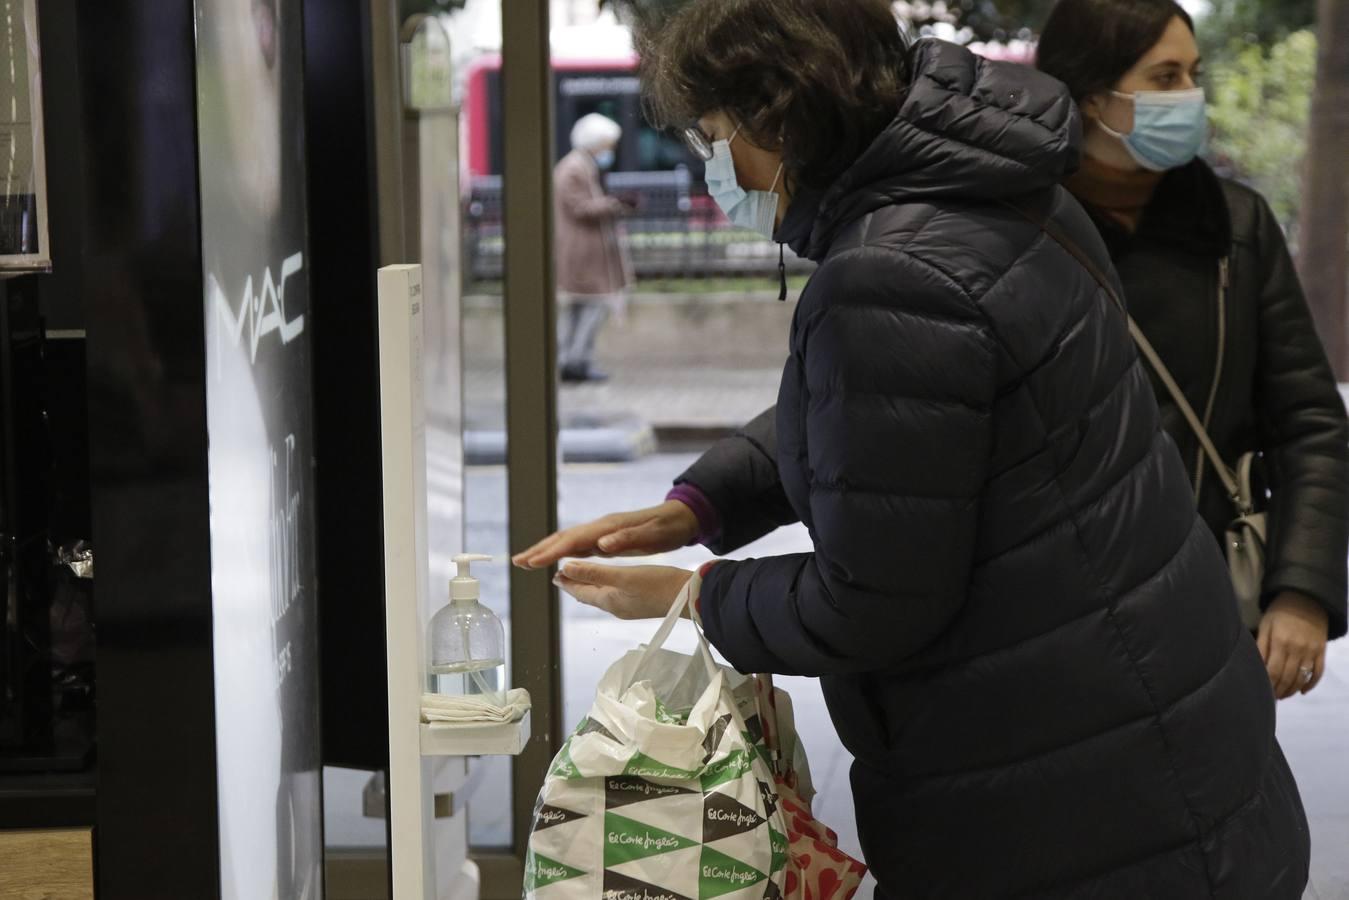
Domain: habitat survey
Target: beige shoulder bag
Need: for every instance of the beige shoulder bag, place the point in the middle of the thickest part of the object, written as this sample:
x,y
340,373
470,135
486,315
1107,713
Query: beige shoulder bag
x,y
1247,532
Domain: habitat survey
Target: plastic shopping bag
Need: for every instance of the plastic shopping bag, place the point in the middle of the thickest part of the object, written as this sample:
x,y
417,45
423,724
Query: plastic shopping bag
x,y
661,793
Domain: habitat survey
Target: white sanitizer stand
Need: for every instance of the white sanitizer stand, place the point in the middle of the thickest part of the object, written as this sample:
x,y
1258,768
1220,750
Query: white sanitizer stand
x,y
428,764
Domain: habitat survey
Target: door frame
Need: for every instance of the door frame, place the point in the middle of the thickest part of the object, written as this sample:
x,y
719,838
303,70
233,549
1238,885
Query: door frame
x,y
531,411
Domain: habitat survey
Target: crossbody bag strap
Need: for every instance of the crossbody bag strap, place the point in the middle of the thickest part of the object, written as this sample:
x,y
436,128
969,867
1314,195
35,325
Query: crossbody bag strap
x,y
1038,218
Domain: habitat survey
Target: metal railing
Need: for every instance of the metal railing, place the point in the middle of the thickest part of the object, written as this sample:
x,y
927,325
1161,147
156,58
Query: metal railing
x,y
675,231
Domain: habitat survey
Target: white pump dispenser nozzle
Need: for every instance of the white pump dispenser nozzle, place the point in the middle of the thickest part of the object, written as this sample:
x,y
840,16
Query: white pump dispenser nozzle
x,y
464,587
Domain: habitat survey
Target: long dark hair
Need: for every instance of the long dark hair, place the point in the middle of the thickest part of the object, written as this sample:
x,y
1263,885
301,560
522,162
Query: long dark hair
x,y
1090,44
820,78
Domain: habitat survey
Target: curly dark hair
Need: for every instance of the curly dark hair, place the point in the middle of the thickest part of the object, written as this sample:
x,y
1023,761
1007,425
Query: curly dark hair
x,y
818,78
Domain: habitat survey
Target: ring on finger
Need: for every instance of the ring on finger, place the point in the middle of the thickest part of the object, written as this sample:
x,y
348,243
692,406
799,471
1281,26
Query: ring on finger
x,y
1305,674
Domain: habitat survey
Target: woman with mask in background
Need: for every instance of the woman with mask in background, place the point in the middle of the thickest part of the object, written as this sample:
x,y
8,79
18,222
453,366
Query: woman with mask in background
x,y
1209,281
593,271
1024,634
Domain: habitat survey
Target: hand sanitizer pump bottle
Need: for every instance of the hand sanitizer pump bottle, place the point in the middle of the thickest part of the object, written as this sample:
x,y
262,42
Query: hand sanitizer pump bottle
x,y
468,644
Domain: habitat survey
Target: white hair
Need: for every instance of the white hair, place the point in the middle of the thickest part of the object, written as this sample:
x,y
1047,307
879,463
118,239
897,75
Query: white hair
x,y
595,131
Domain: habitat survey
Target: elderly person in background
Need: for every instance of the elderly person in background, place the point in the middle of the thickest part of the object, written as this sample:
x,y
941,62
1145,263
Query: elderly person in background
x,y
593,272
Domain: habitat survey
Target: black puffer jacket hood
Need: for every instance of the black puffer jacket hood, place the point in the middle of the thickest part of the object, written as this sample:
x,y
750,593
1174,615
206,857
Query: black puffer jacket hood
x,y
1026,637
967,128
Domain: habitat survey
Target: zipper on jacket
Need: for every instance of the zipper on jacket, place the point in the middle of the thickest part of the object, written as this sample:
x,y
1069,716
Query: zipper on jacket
x,y
782,273
1201,461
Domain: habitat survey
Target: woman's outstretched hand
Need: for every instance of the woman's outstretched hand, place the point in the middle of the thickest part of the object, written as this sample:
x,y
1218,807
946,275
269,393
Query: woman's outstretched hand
x,y
658,529
627,592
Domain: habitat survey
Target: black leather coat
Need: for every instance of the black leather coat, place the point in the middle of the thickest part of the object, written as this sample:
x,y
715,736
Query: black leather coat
x,y
1210,282
1026,636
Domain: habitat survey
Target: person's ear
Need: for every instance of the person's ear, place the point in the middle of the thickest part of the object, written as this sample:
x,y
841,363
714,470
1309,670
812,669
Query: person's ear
x,y
1092,107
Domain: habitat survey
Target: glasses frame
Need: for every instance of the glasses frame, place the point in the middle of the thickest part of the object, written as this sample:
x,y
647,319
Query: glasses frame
x,y
698,143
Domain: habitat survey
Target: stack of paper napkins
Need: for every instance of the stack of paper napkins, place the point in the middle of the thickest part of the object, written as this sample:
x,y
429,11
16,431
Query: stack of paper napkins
x,y
468,710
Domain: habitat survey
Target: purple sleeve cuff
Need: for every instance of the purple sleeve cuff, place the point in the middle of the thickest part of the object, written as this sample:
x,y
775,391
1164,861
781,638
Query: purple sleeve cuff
x,y
709,520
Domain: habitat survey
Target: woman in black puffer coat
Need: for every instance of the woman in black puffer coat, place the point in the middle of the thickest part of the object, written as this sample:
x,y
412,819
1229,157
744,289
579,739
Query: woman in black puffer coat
x,y
1026,636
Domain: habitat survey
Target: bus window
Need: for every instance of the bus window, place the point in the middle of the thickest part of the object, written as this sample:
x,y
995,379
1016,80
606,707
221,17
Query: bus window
x,y
612,93
659,151
608,107
572,110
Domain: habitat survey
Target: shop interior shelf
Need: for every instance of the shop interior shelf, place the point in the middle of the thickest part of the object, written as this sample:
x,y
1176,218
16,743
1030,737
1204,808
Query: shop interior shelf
x,y
48,800
445,739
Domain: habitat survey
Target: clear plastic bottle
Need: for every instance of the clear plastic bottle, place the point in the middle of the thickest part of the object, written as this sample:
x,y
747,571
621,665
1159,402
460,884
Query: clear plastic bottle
x,y
468,643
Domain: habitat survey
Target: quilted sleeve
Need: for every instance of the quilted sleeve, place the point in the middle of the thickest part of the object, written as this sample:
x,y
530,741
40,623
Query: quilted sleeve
x,y
898,392
1305,437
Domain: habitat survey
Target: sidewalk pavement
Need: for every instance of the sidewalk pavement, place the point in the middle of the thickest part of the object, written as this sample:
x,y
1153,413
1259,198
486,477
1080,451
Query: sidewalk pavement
x,y
679,363
686,366
668,398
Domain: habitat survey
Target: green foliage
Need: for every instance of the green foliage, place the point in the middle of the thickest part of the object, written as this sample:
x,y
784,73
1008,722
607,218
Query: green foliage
x,y
1230,23
1259,102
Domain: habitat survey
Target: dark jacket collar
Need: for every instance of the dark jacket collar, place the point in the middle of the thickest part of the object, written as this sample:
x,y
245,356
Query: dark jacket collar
x,y
797,224
1188,211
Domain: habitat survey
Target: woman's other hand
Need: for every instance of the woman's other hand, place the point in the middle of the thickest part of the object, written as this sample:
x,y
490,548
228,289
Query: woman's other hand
x,y
1292,641
627,592
658,529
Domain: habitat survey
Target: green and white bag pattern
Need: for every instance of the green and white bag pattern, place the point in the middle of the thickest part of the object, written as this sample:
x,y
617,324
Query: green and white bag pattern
x,y
662,793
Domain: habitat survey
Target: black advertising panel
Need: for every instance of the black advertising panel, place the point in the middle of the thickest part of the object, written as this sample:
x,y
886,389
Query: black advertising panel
x,y
260,423
136,232
344,255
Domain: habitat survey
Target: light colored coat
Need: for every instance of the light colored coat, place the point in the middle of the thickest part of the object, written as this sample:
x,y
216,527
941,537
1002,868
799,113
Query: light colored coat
x,y
591,261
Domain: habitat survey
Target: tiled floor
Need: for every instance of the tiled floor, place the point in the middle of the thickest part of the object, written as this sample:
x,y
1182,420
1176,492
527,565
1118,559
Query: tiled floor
x,y
1314,731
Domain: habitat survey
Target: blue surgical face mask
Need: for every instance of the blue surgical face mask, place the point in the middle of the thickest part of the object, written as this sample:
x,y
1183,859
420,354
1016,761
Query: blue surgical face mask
x,y
604,159
1170,128
754,210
